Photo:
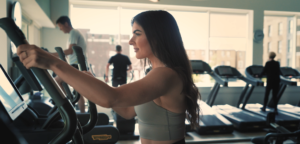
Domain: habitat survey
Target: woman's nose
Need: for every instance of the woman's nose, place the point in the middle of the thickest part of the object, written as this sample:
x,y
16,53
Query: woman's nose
x,y
131,42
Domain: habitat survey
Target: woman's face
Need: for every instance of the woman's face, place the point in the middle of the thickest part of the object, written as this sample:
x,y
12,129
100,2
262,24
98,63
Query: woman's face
x,y
140,42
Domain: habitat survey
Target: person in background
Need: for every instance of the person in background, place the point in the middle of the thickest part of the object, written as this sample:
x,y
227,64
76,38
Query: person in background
x,y
121,65
75,38
273,72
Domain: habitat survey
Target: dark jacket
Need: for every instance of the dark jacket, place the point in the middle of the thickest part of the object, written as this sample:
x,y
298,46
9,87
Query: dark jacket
x,y
120,63
272,71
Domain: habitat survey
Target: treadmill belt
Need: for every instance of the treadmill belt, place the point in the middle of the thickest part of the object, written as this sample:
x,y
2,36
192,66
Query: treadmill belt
x,y
280,117
290,109
246,117
211,120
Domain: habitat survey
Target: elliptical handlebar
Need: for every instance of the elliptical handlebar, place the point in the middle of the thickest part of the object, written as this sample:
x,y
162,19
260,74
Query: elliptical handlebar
x,y
65,86
60,53
64,106
92,107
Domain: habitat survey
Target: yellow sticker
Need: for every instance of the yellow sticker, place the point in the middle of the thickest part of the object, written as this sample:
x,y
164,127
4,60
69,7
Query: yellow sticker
x,y
101,137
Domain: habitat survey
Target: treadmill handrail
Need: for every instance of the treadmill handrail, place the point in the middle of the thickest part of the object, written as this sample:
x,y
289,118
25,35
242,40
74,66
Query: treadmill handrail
x,y
65,107
286,81
254,82
218,79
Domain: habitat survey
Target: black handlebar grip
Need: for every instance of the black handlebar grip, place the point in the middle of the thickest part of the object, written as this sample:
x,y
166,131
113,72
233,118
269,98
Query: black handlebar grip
x,y
92,107
61,53
80,58
13,31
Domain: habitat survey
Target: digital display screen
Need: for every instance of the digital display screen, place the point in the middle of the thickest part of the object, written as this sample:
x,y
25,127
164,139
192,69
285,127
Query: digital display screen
x,y
197,65
8,96
288,72
256,70
225,71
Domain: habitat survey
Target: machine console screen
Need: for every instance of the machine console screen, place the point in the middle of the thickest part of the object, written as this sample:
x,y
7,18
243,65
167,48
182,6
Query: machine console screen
x,y
225,71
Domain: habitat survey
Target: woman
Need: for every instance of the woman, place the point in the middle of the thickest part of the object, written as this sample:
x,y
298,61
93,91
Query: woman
x,y
161,100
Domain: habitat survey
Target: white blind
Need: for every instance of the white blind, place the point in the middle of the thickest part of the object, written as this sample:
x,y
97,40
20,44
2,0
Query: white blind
x,y
228,25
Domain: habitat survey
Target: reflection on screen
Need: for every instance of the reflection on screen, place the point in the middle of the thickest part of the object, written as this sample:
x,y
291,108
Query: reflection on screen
x,y
8,95
225,71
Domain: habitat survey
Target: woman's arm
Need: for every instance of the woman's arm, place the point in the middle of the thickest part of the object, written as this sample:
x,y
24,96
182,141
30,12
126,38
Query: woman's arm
x,y
157,83
127,112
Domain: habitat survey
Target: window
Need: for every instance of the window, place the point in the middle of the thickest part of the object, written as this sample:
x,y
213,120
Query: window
x,y
288,62
280,28
222,63
291,26
240,54
240,64
279,47
269,47
227,36
211,33
228,54
25,29
192,53
270,30
289,46
203,53
279,60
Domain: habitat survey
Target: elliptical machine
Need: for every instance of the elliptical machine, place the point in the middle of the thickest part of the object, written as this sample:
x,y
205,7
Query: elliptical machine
x,y
280,136
126,127
71,129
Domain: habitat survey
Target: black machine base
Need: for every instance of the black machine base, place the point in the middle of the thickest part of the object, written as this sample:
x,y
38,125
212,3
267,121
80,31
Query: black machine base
x,y
129,137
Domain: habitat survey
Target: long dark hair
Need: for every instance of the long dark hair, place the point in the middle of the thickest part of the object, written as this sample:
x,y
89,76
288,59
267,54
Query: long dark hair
x,y
166,44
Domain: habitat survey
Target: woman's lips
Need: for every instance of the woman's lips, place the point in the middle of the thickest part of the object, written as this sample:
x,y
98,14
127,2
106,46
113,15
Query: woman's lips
x,y
136,49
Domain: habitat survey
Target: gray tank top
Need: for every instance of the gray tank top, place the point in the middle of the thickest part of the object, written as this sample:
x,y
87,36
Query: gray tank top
x,y
159,124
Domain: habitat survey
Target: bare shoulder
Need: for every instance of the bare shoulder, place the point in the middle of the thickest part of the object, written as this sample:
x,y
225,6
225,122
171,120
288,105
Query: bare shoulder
x,y
163,71
165,74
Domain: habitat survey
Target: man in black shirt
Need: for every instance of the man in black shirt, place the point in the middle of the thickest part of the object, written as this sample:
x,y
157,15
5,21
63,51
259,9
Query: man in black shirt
x,y
273,72
120,63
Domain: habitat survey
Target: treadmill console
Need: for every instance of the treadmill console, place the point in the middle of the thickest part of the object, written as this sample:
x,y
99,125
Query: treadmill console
x,y
256,70
225,71
286,71
10,97
197,66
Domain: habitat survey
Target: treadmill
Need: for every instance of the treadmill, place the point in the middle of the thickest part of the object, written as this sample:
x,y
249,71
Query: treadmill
x,y
242,120
289,73
284,119
211,122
